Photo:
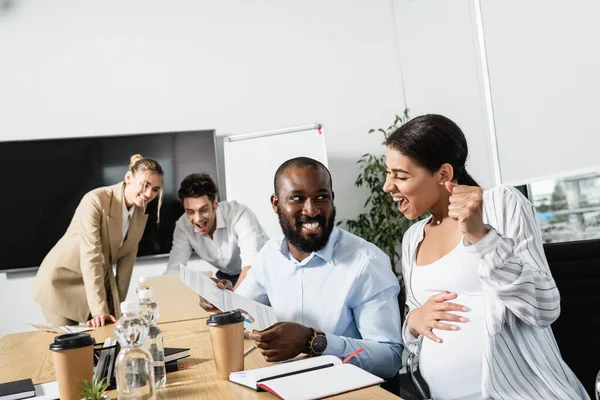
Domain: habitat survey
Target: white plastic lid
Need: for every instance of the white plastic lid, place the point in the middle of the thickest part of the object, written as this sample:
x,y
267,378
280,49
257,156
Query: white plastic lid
x,y
130,307
146,293
143,279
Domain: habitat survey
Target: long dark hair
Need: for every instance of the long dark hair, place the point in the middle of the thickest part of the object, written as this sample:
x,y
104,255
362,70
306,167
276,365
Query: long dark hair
x,y
432,140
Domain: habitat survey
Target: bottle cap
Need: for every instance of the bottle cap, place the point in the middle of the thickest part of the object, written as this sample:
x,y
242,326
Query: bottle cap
x,y
130,307
146,293
72,341
143,279
225,318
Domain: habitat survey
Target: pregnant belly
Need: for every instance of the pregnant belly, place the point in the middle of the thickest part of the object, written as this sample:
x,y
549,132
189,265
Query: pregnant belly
x,y
452,369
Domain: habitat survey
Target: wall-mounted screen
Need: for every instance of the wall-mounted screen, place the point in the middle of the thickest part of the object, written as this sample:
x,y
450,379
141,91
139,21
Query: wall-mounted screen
x,y
44,181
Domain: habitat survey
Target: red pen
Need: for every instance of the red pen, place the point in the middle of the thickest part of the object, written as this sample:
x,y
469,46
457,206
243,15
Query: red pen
x,y
352,355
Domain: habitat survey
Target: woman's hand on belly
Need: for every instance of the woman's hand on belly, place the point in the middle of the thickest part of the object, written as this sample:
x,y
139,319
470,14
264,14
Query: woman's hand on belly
x,y
424,319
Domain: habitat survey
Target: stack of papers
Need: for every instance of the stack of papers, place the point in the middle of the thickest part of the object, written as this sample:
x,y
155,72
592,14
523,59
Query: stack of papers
x,y
61,329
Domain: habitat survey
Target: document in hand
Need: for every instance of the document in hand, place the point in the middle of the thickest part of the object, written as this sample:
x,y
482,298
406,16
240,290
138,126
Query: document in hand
x,y
310,378
257,316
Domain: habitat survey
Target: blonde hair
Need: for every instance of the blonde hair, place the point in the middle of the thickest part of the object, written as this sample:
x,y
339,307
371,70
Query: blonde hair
x,y
137,163
133,159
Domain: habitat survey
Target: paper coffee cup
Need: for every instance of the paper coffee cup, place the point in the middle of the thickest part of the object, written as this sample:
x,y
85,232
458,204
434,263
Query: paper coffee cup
x,y
73,357
227,337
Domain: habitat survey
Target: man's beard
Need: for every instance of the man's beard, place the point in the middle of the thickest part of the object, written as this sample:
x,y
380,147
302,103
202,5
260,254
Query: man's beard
x,y
293,232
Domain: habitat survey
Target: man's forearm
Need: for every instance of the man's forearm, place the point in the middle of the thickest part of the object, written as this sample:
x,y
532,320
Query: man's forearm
x,y
380,358
242,276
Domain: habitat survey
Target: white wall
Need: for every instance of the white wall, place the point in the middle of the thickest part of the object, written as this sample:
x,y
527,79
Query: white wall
x,y
72,68
545,83
442,71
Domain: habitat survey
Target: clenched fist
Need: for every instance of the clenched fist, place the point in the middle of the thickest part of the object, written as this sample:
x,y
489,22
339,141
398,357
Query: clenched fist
x,y
466,207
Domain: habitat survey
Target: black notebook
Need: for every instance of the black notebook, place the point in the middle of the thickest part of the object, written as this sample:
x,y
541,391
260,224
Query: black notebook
x,y
175,353
17,390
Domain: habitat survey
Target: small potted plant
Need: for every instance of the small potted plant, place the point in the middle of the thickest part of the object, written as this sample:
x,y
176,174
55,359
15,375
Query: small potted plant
x,y
94,390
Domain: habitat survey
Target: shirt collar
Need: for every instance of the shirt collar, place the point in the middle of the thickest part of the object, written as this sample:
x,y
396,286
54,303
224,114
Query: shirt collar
x,y
326,253
128,212
220,219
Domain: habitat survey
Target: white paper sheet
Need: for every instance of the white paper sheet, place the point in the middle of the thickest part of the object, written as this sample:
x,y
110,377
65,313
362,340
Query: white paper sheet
x,y
61,329
257,316
46,391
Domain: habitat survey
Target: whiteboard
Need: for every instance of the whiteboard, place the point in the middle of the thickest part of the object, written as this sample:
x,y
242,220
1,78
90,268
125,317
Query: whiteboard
x,y
252,159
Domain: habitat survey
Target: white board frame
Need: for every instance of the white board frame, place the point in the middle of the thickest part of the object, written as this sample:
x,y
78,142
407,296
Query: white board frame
x,y
263,210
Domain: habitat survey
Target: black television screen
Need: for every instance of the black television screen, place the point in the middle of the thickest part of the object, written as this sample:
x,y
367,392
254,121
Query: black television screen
x,y
44,180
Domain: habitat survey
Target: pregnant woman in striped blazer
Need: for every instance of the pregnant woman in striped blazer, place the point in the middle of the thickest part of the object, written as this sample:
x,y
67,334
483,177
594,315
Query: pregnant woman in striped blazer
x,y
480,293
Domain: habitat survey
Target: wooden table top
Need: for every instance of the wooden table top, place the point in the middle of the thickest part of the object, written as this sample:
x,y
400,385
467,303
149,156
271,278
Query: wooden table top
x,y
26,355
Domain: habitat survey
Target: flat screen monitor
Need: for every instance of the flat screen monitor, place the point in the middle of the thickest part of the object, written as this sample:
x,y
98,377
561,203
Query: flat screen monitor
x,y
44,181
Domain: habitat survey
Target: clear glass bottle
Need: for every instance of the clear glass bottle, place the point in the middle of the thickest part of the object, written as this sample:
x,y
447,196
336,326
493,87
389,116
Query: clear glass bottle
x,y
143,284
135,375
154,342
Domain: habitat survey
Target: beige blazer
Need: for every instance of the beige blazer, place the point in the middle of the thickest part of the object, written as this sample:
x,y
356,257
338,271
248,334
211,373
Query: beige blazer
x,y
71,280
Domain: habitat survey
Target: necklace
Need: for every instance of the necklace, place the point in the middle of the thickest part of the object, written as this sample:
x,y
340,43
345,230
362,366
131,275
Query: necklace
x,y
434,222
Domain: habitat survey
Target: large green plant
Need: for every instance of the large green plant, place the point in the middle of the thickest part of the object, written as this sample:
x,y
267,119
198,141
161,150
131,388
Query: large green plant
x,y
382,224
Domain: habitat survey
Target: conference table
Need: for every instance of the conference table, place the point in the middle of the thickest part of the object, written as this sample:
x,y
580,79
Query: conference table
x,y
26,355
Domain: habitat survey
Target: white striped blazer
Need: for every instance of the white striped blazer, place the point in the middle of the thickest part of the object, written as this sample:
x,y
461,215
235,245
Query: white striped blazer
x,y
521,358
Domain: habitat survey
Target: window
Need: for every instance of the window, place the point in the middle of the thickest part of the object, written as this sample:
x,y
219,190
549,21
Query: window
x,y
568,208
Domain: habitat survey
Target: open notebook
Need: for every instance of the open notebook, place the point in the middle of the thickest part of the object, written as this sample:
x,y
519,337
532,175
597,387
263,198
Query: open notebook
x,y
310,378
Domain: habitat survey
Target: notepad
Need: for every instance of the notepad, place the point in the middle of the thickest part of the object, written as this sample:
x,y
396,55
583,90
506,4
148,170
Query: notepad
x,y
310,378
15,390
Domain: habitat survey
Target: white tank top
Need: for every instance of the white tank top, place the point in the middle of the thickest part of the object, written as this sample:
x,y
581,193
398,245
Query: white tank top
x,y
453,368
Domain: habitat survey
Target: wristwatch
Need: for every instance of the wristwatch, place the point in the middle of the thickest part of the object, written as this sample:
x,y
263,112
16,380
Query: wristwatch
x,y
317,343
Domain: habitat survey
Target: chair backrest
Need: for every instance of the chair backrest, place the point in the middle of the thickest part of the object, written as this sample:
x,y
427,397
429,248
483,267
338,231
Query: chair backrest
x,y
575,267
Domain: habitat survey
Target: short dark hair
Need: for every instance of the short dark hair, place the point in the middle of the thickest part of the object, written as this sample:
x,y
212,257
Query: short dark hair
x,y
432,140
198,185
298,162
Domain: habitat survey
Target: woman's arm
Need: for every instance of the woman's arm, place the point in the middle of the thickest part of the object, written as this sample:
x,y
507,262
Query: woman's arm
x,y
124,271
513,263
90,253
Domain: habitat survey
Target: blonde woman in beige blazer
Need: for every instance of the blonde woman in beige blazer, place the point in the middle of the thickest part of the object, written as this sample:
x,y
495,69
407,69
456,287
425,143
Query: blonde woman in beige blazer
x,y
75,282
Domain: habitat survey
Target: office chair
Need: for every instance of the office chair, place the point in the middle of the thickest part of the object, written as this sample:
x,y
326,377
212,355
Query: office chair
x,y
575,267
401,384
416,378
597,387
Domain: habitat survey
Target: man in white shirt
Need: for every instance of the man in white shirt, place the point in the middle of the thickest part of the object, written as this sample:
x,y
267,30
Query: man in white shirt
x,y
333,292
225,234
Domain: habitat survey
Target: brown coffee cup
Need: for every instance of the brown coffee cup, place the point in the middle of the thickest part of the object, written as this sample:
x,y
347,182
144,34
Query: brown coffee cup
x,y
73,357
227,337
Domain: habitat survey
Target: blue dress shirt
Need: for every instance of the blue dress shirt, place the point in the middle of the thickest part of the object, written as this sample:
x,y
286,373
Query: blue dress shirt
x,y
347,290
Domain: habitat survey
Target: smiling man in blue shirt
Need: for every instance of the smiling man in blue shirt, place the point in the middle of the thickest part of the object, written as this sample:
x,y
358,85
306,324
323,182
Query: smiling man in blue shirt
x,y
335,292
